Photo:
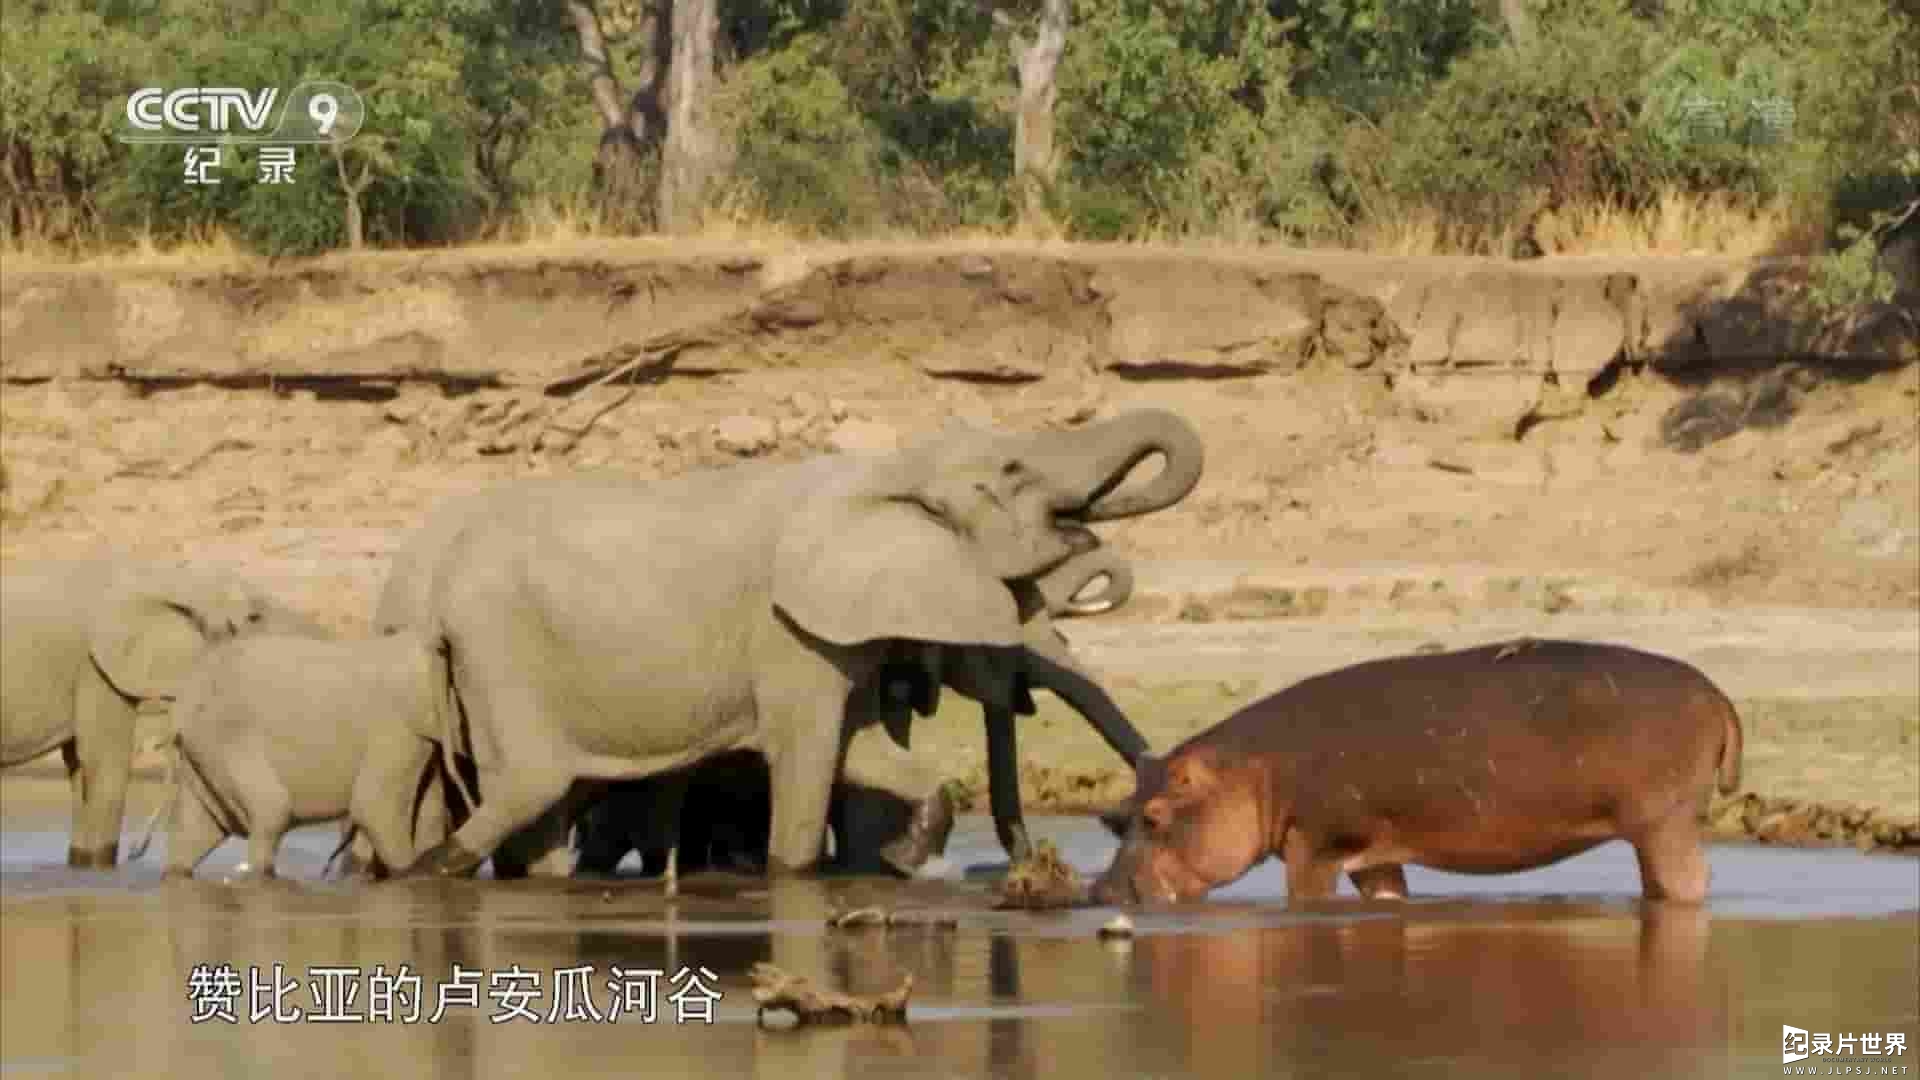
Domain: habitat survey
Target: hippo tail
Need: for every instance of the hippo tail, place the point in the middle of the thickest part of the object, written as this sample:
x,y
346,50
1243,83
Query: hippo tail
x,y
1727,773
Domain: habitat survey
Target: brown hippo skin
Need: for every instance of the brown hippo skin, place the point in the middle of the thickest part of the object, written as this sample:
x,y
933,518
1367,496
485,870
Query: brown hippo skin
x,y
1488,760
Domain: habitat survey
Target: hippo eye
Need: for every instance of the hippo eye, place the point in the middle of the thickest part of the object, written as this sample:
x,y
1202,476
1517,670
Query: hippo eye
x,y
255,617
1012,468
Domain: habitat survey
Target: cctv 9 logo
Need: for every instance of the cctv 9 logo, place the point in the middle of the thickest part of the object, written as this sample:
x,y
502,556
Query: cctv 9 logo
x,y
315,112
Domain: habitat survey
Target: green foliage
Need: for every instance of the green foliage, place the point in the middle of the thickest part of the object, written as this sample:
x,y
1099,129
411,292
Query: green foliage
x,y
1509,128
802,150
1369,55
1290,120
61,91
1850,276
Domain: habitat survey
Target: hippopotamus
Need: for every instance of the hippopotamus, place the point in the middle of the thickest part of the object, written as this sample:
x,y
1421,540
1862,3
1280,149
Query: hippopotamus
x,y
1487,760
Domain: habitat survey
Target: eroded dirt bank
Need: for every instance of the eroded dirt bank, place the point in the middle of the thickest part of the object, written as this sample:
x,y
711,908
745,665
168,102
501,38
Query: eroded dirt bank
x,y
1433,442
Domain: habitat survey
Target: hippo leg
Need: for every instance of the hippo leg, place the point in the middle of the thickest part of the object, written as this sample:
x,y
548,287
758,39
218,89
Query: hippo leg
x,y
1673,865
1387,882
1311,874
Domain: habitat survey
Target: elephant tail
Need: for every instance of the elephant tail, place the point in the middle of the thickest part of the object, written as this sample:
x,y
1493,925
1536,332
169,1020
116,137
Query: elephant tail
x,y
447,704
165,809
346,840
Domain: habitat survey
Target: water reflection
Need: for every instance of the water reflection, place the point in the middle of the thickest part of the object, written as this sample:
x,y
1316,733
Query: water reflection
x,y
96,983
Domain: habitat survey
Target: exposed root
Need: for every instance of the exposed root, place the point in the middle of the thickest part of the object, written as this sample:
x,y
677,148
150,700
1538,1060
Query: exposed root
x,y
777,990
1042,881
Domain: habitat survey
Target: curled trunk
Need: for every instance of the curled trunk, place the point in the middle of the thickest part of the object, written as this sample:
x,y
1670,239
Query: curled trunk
x,y
1063,587
1093,462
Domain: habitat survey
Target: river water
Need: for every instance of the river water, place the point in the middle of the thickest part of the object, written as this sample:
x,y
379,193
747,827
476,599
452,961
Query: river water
x,y
1557,972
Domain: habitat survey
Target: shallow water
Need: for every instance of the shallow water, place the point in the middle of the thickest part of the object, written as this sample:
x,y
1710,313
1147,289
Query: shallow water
x,y
1554,972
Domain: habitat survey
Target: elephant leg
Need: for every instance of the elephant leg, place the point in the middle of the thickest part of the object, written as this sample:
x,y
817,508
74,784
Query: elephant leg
x,y
600,839
269,816
875,761
385,801
360,851
541,848
1003,783
104,733
77,782
802,761
193,834
433,818
514,801
530,778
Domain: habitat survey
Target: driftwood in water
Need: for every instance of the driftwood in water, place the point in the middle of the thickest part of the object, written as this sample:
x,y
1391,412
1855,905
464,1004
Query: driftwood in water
x,y
1043,880
775,989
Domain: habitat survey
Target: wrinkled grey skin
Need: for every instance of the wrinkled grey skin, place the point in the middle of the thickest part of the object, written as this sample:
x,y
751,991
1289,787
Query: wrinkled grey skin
x,y
272,732
739,608
716,812
84,643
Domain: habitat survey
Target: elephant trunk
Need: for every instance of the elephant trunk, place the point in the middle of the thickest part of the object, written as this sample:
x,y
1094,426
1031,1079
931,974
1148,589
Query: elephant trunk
x,y
1092,462
1089,700
1062,588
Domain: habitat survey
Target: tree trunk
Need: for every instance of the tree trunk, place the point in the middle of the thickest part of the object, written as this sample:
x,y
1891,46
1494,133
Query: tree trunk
x,y
356,220
1035,65
687,160
621,170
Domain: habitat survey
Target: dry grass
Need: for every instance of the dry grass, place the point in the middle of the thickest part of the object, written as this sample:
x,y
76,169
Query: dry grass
x,y
1677,223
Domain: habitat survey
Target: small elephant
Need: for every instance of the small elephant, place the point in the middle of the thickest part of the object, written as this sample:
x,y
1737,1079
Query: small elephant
x,y
739,608
84,643
273,732
721,805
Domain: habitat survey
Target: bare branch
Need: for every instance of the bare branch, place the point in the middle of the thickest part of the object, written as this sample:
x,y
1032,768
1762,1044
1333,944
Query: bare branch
x,y
593,57
1051,40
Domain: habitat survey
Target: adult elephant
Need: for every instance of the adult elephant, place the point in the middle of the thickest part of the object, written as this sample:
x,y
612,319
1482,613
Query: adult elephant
x,y
83,644
605,627
716,813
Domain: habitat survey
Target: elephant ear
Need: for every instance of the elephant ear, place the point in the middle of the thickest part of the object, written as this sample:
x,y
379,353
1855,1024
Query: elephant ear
x,y
145,645
853,569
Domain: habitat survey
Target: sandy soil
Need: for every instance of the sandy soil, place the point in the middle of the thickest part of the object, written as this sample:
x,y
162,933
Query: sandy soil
x,y
1400,451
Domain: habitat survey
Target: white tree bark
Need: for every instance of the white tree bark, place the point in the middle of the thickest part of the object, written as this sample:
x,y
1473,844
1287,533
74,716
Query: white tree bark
x,y
1036,63
593,57
689,156
1519,21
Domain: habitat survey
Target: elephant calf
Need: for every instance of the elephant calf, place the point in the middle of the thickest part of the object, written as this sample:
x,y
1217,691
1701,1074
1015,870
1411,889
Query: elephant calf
x,y
83,643
273,732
